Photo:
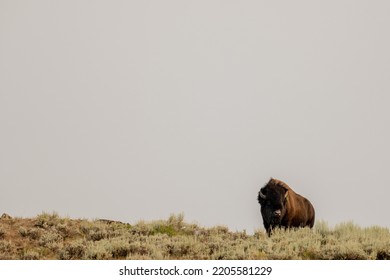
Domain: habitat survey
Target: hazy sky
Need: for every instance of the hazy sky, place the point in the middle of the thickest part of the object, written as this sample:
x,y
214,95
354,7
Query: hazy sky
x,y
131,110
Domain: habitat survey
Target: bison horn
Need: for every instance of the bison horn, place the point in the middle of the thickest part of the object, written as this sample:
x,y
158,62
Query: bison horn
x,y
262,195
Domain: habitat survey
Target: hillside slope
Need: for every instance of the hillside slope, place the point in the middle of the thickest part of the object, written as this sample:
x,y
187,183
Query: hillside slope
x,y
48,236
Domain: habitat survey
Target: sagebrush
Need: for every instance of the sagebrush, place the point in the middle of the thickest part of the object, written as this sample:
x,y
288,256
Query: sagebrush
x,y
48,236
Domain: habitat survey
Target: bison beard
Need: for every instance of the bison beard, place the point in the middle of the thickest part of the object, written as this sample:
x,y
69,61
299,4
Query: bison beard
x,y
280,206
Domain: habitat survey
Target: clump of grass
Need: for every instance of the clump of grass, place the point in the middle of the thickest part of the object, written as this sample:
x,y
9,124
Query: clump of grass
x,y
34,233
173,226
73,251
142,229
164,229
2,232
177,247
23,232
30,254
94,233
6,247
65,230
96,251
50,240
46,220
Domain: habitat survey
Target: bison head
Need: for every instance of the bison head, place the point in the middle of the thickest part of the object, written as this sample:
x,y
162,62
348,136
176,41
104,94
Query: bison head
x,y
273,198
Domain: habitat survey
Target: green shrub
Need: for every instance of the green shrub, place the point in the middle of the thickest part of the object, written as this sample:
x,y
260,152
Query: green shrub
x,y
164,229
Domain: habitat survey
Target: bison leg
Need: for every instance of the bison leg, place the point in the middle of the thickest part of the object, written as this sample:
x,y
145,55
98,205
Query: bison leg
x,y
267,227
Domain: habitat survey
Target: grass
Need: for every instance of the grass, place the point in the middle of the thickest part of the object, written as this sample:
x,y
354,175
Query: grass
x,y
48,236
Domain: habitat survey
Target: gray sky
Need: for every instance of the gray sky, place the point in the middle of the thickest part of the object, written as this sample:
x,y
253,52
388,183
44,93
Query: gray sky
x,y
133,110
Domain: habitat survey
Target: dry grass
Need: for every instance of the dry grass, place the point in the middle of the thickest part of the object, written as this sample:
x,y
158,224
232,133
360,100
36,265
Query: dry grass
x,y
49,236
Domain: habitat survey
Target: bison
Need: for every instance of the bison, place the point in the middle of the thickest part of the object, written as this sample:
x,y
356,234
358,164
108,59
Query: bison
x,y
281,207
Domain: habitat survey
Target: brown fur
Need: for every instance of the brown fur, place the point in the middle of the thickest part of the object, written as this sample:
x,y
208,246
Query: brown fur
x,y
296,210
